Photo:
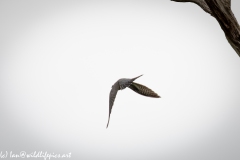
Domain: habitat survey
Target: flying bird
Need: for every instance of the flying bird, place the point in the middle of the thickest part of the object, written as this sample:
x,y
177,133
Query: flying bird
x,y
126,82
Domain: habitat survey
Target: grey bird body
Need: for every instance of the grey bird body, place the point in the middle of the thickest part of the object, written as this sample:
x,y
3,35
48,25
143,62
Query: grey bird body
x,y
124,83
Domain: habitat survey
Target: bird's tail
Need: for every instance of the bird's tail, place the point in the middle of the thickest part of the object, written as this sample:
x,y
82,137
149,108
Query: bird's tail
x,y
143,90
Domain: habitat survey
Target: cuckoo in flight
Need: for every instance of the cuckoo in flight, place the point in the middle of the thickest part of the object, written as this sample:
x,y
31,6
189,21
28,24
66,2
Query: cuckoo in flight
x,y
126,82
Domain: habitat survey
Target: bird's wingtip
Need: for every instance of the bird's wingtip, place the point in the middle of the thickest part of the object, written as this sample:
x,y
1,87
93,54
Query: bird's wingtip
x,y
108,121
136,77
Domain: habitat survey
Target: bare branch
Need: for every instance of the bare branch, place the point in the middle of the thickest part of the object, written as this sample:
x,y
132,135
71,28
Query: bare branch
x,y
200,3
221,10
227,3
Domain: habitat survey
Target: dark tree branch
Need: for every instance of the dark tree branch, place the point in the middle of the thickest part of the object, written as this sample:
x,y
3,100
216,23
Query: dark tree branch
x,y
221,11
200,3
227,3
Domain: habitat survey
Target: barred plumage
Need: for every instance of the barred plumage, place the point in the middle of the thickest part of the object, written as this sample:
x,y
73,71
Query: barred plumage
x,y
143,90
122,84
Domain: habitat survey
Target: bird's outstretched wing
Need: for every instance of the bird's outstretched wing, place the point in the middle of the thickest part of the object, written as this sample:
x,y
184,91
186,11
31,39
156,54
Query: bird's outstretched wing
x,y
143,90
112,97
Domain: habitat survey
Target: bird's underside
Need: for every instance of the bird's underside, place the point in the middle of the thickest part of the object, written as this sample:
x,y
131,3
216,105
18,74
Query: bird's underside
x,y
122,84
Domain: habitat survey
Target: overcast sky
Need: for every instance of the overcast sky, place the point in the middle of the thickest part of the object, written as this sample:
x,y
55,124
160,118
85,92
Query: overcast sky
x,y
59,59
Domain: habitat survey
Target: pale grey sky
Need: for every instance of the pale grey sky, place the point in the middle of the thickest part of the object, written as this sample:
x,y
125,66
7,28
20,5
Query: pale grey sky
x,y
59,59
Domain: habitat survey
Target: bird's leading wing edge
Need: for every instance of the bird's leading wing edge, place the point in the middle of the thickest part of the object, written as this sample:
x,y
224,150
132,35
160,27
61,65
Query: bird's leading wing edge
x,y
112,96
